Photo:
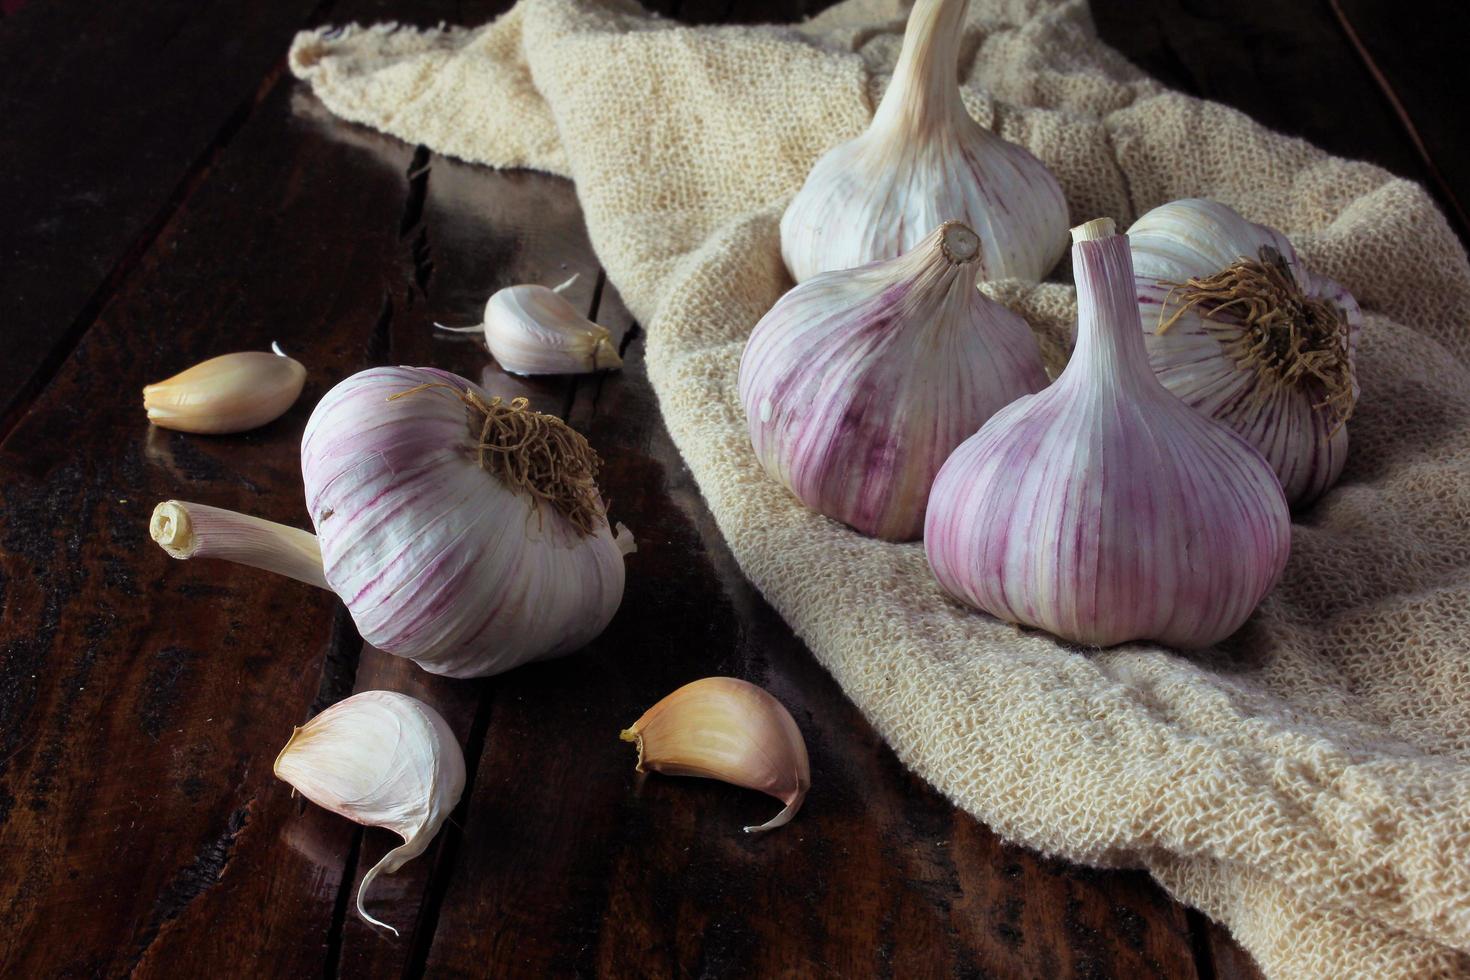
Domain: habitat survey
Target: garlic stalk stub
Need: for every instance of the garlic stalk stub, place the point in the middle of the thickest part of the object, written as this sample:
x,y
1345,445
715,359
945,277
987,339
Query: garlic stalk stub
x,y
382,759
531,329
1241,330
229,393
922,161
465,534
731,730
858,384
1104,509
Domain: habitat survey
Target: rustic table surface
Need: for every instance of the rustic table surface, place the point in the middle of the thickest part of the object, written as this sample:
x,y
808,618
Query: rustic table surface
x,y
168,193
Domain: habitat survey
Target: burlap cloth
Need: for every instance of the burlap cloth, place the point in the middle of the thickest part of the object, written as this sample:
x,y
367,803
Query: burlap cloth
x,y
1307,783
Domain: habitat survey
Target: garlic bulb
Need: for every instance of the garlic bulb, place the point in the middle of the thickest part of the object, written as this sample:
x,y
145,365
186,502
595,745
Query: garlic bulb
x,y
922,161
859,384
229,393
462,533
1104,509
1242,331
381,759
533,330
727,729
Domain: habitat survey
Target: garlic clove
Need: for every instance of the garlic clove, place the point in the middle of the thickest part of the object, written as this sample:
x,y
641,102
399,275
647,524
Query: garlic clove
x,y
1103,509
858,384
924,160
381,759
731,730
531,329
229,393
1240,329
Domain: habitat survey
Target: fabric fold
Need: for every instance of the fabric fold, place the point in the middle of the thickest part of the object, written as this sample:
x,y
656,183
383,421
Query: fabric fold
x,y
1307,782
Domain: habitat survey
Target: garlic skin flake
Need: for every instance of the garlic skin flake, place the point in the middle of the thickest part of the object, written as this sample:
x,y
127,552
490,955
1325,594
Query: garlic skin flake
x,y
436,555
858,384
381,759
531,329
731,730
1241,330
229,393
922,161
1104,509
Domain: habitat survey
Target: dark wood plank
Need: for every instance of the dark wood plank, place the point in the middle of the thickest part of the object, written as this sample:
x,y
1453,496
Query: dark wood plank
x,y
108,114
571,863
143,700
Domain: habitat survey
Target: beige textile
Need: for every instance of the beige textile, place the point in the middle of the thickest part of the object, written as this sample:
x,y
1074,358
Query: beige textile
x,y
1308,782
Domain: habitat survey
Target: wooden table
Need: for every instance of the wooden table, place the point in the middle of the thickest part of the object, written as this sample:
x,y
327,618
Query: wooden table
x,y
169,193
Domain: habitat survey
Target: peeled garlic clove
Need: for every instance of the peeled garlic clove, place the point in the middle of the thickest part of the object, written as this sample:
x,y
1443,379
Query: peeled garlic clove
x,y
857,385
923,161
727,729
1238,327
531,329
381,759
1104,509
230,393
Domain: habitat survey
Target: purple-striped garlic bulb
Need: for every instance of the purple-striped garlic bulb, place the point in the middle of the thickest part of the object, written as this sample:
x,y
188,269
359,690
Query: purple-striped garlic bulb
x,y
1104,509
1239,328
465,534
924,160
858,384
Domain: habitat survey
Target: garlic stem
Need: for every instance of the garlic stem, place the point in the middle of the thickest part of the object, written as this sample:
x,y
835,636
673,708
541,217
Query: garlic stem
x,y
187,530
1104,342
924,92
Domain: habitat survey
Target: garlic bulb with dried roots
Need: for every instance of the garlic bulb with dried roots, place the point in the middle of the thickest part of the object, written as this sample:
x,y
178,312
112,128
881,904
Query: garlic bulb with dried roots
x,y
1240,329
229,393
922,161
463,533
531,329
859,384
731,730
1104,509
381,759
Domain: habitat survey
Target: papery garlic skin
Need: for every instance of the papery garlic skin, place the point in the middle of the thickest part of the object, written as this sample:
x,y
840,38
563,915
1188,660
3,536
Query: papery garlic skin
x,y
731,730
436,559
858,384
1305,442
531,330
923,161
225,394
381,759
1104,509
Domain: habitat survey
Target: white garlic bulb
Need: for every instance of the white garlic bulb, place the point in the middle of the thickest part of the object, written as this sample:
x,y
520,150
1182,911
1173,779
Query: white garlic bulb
x,y
381,759
924,160
858,384
225,394
1240,329
1104,509
531,329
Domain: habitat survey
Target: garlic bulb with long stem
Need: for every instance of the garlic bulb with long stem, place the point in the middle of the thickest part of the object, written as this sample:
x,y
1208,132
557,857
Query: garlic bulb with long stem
x,y
382,759
924,160
1104,509
731,730
1239,328
531,329
465,534
858,384
226,394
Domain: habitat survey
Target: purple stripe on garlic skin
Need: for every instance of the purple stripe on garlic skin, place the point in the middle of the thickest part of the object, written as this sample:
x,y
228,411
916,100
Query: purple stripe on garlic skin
x,y
437,560
1305,445
858,384
1104,509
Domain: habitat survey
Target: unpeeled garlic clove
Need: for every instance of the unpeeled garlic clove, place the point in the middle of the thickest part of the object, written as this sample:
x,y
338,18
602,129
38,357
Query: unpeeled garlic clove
x,y
731,730
924,160
229,393
381,759
531,329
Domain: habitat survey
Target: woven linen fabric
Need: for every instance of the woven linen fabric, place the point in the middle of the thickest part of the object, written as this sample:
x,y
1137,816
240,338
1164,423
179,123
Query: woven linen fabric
x,y
1307,782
